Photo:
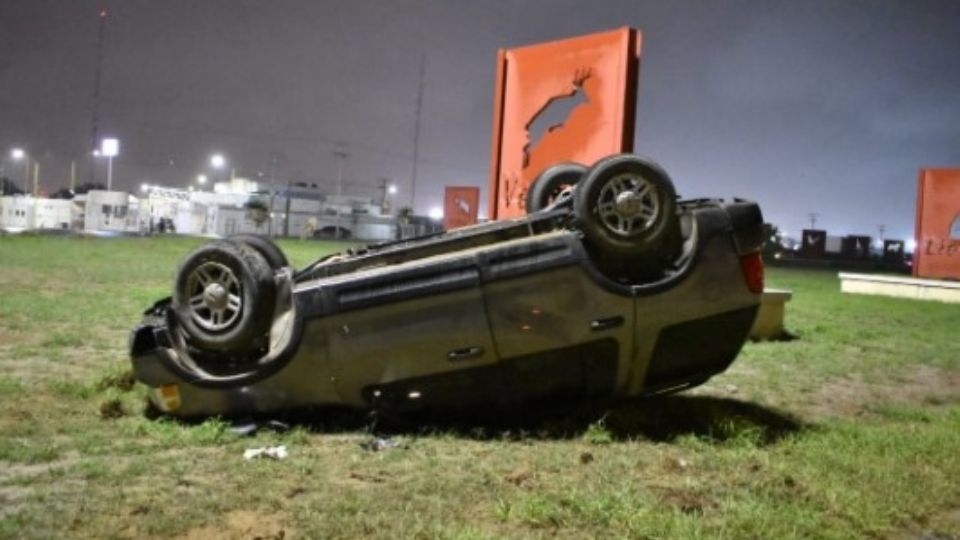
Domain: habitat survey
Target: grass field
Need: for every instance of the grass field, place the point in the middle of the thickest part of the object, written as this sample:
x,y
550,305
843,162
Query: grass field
x,y
850,431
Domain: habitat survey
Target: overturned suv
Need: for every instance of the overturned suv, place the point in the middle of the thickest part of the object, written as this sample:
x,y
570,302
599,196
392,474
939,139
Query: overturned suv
x,y
609,287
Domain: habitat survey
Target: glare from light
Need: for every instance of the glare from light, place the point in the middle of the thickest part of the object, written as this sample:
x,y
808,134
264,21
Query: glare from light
x,y
96,152
201,179
110,147
217,161
144,187
392,189
17,154
436,213
911,245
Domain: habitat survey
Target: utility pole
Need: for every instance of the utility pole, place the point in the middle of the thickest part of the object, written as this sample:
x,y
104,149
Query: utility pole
x,y
813,219
36,179
286,211
416,135
73,176
882,228
340,155
95,118
274,159
382,188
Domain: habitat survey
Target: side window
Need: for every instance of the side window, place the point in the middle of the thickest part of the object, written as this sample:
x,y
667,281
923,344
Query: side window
x,y
105,209
955,227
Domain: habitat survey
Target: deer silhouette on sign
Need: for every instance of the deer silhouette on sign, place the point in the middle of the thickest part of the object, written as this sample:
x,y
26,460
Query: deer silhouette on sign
x,y
555,112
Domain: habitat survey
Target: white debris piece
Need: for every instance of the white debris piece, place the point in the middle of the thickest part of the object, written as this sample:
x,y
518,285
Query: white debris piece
x,y
272,452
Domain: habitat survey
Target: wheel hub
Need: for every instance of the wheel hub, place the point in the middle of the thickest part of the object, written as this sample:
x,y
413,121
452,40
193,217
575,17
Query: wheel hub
x,y
216,297
628,204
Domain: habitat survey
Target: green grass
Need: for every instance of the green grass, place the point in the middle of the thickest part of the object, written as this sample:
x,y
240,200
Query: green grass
x,y
850,431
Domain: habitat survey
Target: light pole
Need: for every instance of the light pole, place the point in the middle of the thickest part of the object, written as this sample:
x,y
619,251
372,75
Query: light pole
x,y
218,162
18,154
341,155
109,148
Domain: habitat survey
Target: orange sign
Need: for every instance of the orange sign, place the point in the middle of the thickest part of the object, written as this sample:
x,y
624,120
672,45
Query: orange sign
x,y
567,100
460,206
937,254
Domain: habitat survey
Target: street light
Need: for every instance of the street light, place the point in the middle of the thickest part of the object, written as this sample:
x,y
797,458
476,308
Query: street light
x,y
18,154
392,189
110,148
218,162
201,179
436,213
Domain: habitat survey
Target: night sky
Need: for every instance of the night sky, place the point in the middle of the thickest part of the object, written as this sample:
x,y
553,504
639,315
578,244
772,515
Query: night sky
x,y
806,106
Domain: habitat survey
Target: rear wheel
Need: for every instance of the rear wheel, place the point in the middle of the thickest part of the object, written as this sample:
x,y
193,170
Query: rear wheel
x,y
552,184
224,297
626,207
267,247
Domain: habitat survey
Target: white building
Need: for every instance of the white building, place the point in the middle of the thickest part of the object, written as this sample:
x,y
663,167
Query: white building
x,y
24,212
53,214
110,211
16,213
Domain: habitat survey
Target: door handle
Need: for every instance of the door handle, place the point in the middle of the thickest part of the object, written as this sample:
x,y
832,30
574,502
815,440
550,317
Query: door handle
x,y
464,353
606,323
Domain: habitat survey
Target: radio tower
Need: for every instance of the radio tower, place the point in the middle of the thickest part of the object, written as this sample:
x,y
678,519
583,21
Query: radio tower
x,y
95,114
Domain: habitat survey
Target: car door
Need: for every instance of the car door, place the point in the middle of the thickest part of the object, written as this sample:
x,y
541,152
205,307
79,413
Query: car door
x,y
411,335
558,333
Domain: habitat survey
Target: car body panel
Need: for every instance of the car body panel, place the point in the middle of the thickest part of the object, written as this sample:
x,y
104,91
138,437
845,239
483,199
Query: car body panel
x,y
500,315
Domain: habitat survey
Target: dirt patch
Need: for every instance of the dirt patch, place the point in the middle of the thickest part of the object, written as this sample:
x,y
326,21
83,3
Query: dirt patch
x,y
12,471
121,381
686,500
852,396
522,478
244,524
11,499
111,409
939,526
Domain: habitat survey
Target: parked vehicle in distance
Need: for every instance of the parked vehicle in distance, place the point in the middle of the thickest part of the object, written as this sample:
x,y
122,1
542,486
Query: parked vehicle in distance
x,y
610,287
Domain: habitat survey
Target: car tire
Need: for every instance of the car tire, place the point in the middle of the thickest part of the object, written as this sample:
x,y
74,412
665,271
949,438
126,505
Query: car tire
x,y
266,246
626,208
224,297
550,184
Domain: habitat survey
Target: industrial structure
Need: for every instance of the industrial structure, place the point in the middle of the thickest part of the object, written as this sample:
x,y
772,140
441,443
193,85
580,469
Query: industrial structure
x,y
235,206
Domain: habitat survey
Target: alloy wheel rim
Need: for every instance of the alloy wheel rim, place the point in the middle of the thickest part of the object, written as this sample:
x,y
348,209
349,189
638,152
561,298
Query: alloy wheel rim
x,y
216,296
628,205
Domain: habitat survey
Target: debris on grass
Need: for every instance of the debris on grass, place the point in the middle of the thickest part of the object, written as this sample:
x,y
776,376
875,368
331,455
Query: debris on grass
x,y
272,452
586,457
379,444
676,463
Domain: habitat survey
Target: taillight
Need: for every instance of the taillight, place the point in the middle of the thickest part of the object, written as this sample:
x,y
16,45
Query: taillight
x,y
752,267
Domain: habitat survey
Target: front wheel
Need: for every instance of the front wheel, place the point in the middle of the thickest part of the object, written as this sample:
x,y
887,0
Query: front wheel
x,y
224,298
626,208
